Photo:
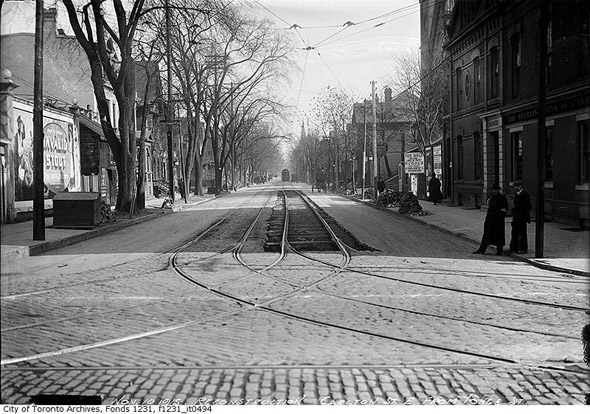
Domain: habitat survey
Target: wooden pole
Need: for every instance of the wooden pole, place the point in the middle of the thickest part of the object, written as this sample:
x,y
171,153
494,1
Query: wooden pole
x,y
375,170
169,112
541,134
38,176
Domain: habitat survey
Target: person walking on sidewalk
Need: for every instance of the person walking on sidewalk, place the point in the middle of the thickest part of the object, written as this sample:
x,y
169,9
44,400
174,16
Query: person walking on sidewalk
x,y
380,185
434,189
521,216
493,226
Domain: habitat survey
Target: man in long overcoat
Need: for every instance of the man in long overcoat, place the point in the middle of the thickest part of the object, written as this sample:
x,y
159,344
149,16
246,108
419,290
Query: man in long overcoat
x,y
493,227
521,216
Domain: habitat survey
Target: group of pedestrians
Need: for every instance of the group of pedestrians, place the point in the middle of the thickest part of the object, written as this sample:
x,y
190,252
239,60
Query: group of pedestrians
x,y
493,228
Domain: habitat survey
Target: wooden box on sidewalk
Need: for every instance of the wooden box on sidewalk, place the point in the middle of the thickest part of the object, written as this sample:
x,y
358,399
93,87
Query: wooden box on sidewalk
x,y
76,210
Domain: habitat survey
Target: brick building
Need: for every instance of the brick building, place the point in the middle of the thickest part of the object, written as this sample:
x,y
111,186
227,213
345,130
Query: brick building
x,y
494,89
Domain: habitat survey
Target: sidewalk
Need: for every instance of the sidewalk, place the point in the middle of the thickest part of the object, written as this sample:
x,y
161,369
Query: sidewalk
x,y
565,248
17,238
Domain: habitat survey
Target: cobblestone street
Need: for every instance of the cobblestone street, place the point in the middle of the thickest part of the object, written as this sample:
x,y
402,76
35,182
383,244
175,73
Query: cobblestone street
x,y
205,325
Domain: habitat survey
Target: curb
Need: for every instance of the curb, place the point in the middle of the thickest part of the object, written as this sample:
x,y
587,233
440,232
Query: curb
x,y
26,251
465,238
37,249
56,244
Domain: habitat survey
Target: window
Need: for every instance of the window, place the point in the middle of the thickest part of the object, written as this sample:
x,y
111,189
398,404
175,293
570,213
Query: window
x,y
516,155
549,153
516,61
476,80
585,39
548,69
583,152
459,87
478,155
467,85
494,72
460,157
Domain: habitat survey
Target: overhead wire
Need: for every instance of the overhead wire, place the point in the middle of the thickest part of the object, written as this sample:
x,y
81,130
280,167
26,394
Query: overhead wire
x,y
413,8
291,26
365,30
302,79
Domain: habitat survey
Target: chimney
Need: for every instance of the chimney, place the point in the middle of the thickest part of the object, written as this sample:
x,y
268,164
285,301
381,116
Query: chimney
x,y
388,94
50,21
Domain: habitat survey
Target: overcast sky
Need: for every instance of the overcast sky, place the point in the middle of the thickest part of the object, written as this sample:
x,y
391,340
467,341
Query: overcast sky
x,y
348,56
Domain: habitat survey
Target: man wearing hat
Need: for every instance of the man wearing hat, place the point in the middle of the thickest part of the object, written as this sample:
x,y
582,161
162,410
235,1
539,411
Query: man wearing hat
x,y
521,216
493,226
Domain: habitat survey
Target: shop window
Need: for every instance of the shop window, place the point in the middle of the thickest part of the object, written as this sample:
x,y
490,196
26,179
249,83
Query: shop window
x,y
583,152
516,155
549,153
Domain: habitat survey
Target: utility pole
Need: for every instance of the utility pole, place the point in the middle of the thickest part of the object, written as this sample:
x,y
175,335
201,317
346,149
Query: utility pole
x,y
364,147
375,171
181,155
541,134
169,112
38,176
233,142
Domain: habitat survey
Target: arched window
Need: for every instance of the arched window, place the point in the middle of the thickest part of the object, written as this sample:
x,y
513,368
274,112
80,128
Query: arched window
x,y
476,80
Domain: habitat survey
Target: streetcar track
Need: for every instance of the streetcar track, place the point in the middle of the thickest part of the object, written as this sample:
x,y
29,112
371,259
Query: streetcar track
x,y
379,305
246,305
572,369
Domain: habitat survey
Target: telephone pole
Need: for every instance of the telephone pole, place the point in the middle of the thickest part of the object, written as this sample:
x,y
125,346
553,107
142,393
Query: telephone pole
x,y
375,172
38,176
364,147
541,133
169,112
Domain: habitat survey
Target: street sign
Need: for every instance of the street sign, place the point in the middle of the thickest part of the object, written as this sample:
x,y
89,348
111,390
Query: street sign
x,y
381,148
414,163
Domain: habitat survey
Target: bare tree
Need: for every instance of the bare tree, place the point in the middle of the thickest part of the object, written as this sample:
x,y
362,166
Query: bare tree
x,y
422,85
332,111
109,52
223,62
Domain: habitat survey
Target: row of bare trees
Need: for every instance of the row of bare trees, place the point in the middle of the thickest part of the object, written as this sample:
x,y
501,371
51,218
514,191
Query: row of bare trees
x,y
227,67
421,92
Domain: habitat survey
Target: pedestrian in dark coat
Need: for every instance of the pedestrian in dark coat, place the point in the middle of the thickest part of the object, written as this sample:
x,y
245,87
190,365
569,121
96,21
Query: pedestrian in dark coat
x,y
434,189
380,185
521,216
493,226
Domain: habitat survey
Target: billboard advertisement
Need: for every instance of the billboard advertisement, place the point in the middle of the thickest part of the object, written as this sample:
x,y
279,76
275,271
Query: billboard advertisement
x,y
61,153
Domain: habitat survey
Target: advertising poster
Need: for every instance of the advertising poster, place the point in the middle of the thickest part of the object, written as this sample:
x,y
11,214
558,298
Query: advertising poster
x,y
414,163
61,157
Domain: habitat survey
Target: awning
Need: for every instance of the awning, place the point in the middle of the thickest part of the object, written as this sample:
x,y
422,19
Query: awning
x,y
91,125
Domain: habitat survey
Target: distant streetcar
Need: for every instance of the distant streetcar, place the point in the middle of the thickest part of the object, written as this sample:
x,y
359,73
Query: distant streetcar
x,y
286,175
